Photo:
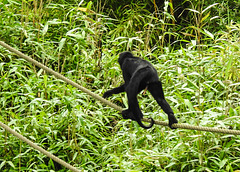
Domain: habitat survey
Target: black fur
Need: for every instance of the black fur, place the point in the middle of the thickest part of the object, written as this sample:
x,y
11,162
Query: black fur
x,y
139,74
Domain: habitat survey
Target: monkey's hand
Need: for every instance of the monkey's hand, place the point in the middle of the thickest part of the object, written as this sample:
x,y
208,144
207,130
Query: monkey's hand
x,y
107,94
172,120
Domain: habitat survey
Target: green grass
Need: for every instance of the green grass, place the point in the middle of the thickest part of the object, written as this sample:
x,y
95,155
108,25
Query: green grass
x,y
201,83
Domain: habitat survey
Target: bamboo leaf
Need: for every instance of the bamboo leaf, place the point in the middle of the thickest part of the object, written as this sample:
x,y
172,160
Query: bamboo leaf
x,y
210,6
205,17
209,34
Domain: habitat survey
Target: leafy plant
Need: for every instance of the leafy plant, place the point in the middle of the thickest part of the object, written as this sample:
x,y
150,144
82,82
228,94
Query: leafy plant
x,y
200,80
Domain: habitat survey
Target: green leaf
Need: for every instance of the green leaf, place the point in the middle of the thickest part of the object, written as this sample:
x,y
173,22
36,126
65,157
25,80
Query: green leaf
x,y
193,10
61,44
205,17
45,29
2,164
11,164
189,104
208,34
222,163
210,6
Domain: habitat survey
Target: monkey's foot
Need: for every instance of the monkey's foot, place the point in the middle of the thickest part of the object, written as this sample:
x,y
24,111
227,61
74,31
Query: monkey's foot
x,y
126,114
172,120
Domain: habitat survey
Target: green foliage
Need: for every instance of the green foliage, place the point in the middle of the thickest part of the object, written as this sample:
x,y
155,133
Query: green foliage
x,y
199,69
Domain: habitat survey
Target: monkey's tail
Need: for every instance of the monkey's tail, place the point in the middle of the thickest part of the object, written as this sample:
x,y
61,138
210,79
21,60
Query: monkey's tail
x,y
144,126
128,114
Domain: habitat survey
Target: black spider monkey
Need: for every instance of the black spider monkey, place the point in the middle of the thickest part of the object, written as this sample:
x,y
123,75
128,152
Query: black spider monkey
x,y
139,74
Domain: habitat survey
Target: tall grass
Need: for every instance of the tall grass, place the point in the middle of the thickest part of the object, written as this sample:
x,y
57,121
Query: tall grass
x,y
201,82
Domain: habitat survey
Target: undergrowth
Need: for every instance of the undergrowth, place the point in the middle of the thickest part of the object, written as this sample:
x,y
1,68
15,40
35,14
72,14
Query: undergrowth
x,y
201,80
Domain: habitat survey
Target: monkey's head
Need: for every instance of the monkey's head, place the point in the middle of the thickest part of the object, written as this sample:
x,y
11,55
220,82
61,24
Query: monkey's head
x,y
123,56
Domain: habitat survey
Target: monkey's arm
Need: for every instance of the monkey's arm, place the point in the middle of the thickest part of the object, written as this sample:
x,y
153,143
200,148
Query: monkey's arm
x,y
114,91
